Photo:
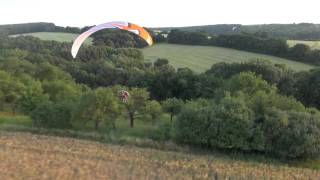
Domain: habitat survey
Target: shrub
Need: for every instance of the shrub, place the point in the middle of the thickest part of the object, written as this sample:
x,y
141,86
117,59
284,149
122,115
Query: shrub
x,y
291,131
52,115
230,124
292,134
191,123
225,125
172,106
163,133
97,107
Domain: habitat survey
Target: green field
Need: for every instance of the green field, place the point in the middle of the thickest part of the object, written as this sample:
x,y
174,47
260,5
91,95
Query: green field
x,y
312,44
55,36
201,58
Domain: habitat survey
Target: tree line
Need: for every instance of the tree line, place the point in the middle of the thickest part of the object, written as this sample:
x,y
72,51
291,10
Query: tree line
x,y
259,43
301,31
11,29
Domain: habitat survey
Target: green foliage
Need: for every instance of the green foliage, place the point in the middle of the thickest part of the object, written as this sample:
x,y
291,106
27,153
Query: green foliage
x,y
59,90
191,124
308,88
253,43
137,101
231,124
160,62
301,31
163,132
172,106
118,39
52,115
28,27
46,71
272,73
292,134
167,83
209,84
11,90
193,38
251,116
153,111
248,83
98,106
227,124
33,95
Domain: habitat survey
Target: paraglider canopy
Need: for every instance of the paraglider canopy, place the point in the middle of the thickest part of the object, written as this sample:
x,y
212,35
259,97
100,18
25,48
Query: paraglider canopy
x,y
234,28
117,24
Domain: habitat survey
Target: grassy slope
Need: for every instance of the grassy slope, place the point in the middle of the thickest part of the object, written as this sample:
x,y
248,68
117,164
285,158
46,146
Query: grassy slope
x,y
201,58
312,44
25,155
55,36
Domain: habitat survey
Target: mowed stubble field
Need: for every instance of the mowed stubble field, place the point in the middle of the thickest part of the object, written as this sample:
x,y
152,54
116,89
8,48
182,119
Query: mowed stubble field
x,y
28,156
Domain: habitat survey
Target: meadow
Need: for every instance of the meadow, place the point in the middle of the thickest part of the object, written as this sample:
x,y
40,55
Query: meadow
x,y
312,44
201,58
55,36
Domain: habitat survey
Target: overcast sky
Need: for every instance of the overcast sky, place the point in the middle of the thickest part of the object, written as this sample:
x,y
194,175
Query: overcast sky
x,y
159,13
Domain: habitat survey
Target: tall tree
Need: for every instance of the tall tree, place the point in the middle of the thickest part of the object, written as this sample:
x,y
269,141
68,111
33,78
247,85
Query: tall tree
x,y
136,103
172,106
153,110
98,106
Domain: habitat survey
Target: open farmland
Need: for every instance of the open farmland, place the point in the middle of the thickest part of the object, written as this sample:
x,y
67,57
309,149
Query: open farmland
x,y
201,58
55,36
27,156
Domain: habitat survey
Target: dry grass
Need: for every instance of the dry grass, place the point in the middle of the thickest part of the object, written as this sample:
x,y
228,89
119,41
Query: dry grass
x,y
27,156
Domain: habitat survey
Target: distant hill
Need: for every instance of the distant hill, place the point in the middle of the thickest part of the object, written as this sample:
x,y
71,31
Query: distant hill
x,y
28,28
302,31
12,29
